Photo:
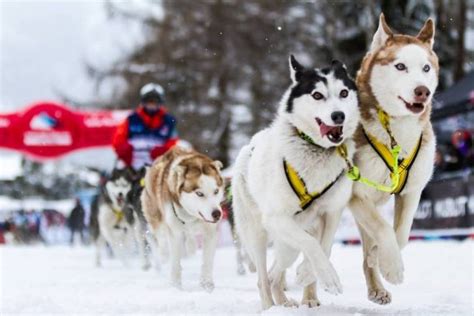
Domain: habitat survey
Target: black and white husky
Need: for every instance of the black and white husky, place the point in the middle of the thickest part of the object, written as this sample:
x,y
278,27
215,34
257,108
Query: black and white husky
x,y
289,182
108,221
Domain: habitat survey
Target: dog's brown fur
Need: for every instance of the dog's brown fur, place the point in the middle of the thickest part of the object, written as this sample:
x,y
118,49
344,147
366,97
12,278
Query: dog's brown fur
x,y
164,184
384,55
367,199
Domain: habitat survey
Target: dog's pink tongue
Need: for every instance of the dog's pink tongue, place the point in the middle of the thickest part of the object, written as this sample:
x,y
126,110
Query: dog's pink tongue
x,y
324,129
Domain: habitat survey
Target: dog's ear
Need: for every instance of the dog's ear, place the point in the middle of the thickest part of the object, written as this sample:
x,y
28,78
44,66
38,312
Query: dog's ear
x,y
143,170
178,173
130,173
115,174
382,34
217,164
295,69
427,33
336,64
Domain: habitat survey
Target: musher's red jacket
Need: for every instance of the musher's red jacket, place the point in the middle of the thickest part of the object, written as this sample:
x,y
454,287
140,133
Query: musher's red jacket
x,y
141,138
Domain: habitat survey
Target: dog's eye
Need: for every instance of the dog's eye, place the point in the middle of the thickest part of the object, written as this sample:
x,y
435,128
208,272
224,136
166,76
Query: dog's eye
x,y
400,66
216,191
344,93
426,68
199,193
317,96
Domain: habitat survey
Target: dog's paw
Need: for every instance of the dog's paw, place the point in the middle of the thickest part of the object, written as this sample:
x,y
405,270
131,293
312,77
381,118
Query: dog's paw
x,y
207,285
304,274
380,296
330,280
311,302
290,303
391,266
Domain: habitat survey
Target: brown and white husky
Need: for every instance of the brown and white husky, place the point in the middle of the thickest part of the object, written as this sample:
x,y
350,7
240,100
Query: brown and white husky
x,y
182,196
396,82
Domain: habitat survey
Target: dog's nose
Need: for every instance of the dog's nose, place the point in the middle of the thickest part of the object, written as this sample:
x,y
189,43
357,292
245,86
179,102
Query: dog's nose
x,y
338,117
216,215
120,195
421,94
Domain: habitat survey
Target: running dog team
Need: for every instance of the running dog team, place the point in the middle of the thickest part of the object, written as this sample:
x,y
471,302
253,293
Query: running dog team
x,y
334,143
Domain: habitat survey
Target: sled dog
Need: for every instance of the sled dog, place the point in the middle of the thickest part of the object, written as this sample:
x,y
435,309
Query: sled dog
x,y
289,182
396,82
182,196
108,223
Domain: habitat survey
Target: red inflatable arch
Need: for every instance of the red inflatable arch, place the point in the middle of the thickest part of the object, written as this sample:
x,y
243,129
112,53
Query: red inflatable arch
x,y
48,130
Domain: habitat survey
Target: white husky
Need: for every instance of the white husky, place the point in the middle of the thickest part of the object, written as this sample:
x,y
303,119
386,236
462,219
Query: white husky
x,y
289,181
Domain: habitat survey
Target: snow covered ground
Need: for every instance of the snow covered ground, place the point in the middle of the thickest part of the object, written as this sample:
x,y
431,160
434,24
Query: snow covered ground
x,y
61,280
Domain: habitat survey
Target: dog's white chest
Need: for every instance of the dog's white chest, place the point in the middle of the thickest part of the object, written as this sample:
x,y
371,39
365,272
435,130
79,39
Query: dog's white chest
x,y
272,189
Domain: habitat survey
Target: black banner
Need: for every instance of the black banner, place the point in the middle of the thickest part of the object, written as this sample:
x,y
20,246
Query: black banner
x,y
447,204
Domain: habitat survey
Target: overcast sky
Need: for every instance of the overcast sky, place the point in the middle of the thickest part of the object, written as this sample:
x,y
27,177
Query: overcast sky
x,y
43,47
44,44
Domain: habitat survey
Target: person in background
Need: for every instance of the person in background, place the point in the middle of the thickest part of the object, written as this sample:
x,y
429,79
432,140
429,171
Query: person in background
x,y
76,221
462,141
148,132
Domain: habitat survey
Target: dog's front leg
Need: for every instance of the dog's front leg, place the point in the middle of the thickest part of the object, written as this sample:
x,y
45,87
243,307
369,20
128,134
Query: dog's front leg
x,y
208,252
99,245
405,208
284,257
285,229
330,221
175,239
141,242
376,292
388,252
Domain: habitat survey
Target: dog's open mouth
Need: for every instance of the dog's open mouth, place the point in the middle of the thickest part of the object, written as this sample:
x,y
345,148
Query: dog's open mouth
x,y
413,107
120,200
333,133
207,221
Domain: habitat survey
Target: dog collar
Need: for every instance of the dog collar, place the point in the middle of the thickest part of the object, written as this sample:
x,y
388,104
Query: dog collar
x,y
306,137
176,214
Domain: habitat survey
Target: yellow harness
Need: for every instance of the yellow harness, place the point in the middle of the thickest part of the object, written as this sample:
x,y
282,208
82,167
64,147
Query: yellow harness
x,y
399,168
118,215
299,186
403,165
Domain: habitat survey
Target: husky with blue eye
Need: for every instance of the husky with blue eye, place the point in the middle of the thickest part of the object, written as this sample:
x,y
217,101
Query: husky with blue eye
x,y
289,183
181,198
397,80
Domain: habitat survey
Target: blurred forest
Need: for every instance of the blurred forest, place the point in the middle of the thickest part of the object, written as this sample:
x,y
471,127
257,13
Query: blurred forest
x,y
223,63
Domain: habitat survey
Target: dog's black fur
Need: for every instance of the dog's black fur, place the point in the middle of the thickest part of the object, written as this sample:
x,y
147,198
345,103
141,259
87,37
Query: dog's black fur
x,y
104,198
307,78
133,205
